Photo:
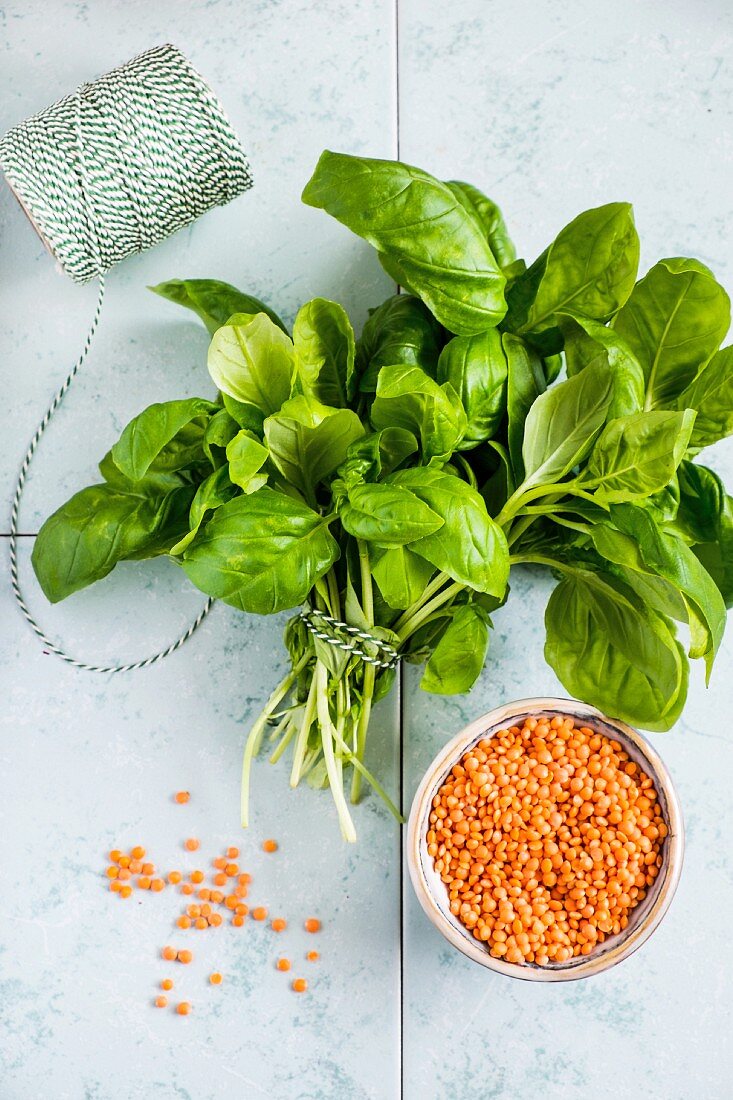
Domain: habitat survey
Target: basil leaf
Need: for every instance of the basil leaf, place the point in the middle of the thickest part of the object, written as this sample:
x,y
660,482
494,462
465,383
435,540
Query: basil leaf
x,y
261,553
711,394
426,240
154,431
324,344
551,366
408,398
620,550
490,218
607,649
716,556
476,368
308,440
637,455
457,660
219,431
668,556
214,302
253,361
589,269
469,546
401,575
216,490
497,489
525,383
387,514
247,416
701,500
673,322
401,330
377,453
563,423
246,457
588,343
85,538
158,479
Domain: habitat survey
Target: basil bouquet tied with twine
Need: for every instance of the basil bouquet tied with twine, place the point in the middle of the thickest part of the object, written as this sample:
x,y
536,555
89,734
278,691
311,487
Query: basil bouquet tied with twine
x,y
492,415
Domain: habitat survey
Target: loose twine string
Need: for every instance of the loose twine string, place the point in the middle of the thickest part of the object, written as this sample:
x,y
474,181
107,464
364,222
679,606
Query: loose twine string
x,y
111,170
107,172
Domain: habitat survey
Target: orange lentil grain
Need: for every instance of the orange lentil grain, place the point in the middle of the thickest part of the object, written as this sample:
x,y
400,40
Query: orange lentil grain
x,y
137,852
237,921
185,956
136,866
192,844
143,882
125,891
183,1008
215,919
123,861
181,797
312,956
232,853
174,877
313,925
217,897
114,855
244,879
241,910
278,924
124,874
219,879
113,871
184,921
204,894
167,983
260,913
156,885
300,985
148,868
220,863
283,964
231,870
231,901
115,885
197,877
269,845
169,953
161,1002
186,888
201,922
215,978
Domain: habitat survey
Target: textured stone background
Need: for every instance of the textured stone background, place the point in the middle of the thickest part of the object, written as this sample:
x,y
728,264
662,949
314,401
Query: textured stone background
x,y
549,107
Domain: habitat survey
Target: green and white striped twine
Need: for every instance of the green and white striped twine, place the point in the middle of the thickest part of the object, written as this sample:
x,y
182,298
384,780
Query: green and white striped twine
x,y
105,173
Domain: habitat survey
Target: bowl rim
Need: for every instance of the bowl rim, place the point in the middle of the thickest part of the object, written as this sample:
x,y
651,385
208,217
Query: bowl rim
x,y
669,875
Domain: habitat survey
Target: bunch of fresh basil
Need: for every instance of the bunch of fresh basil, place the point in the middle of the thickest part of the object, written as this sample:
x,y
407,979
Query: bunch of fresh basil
x,y
391,481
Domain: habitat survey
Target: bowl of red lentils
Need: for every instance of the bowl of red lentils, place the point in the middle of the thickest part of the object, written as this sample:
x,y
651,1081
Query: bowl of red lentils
x,y
546,840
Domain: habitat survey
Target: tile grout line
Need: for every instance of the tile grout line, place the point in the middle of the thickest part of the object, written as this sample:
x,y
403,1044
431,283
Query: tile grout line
x,y
401,684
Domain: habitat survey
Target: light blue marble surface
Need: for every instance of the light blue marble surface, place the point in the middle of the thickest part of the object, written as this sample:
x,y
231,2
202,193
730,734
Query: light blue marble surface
x,y
550,108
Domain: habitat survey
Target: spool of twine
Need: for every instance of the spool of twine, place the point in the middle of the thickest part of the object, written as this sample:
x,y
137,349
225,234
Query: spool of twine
x,y
124,162
105,173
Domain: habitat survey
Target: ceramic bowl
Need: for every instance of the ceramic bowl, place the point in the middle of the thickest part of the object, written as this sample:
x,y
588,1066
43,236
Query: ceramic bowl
x,y
432,893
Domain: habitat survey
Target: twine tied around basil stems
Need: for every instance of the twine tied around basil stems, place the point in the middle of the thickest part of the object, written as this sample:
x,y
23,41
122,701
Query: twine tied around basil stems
x,y
107,172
